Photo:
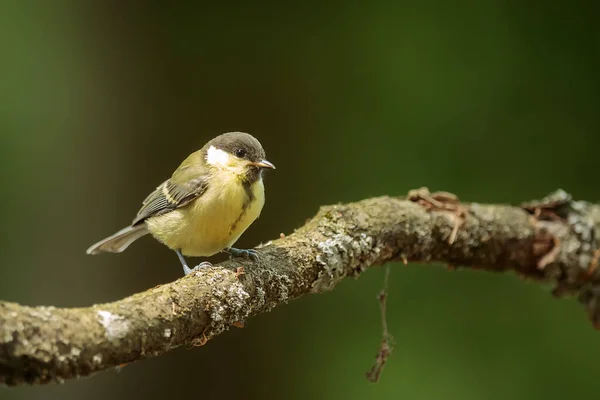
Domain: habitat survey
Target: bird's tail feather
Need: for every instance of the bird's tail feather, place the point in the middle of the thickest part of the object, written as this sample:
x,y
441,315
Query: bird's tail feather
x,y
119,241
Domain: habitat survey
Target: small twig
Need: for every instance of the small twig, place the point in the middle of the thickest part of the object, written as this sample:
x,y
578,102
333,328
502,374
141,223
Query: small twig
x,y
442,201
201,341
594,262
551,255
239,272
387,340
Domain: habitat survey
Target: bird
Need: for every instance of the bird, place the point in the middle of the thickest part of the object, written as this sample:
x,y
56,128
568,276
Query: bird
x,y
210,200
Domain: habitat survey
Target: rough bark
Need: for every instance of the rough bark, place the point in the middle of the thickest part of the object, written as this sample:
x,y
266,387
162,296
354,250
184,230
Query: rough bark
x,y
553,240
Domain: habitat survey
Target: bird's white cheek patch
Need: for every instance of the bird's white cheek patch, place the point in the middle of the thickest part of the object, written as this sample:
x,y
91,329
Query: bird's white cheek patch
x,y
217,157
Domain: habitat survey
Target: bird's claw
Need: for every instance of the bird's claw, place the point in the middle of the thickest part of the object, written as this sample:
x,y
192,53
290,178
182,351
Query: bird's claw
x,y
203,264
247,253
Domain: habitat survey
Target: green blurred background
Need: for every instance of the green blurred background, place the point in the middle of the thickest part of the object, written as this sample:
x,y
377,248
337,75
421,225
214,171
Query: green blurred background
x,y
497,101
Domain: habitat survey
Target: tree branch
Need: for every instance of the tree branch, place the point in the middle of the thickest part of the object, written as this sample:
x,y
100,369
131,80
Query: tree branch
x,y
553,240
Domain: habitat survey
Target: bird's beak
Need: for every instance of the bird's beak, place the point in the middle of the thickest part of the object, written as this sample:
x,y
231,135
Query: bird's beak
x,y
264,164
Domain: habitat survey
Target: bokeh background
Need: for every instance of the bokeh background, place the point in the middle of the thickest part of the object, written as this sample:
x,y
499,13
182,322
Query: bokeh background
x,y
497,101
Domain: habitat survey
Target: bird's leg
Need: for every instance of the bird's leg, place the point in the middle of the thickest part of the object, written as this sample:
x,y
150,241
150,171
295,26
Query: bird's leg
x,y
187,270
248,253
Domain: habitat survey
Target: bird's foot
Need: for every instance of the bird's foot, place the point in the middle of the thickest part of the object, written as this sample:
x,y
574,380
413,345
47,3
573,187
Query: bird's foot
x,y
187,270
247,253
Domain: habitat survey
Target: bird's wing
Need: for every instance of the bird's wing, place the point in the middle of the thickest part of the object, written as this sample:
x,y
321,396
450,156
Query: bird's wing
x,y
170,196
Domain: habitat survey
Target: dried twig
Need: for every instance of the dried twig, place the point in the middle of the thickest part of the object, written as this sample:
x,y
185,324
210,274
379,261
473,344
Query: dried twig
x,y
442,201
387,341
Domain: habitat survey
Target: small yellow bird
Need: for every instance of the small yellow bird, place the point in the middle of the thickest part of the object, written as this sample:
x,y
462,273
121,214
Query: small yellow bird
x,y
206,205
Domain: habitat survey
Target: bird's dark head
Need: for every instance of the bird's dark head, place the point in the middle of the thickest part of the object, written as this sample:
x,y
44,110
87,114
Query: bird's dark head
x,y
237,152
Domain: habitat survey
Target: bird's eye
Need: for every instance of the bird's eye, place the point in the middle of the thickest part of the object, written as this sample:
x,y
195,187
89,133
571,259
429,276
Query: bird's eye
x,y
241,153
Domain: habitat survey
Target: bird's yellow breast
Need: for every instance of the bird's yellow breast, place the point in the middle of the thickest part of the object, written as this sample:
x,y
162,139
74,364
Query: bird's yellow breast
x,y
212,222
